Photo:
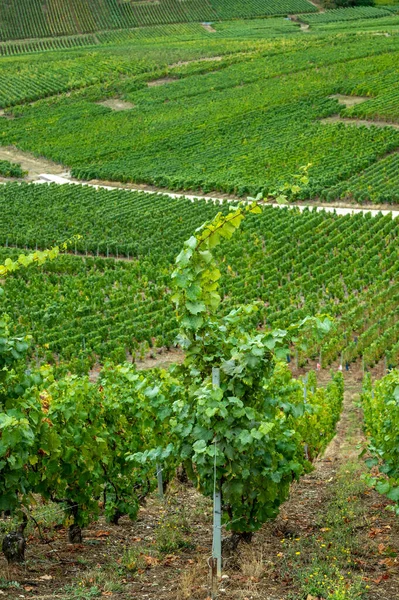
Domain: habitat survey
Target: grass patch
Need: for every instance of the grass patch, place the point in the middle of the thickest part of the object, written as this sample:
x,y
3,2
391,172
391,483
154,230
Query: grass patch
x,y
172,533
6,585
325,564
95,582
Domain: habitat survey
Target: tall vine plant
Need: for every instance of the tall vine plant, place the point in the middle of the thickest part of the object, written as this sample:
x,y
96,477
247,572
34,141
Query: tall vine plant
x,y
240,436
19,411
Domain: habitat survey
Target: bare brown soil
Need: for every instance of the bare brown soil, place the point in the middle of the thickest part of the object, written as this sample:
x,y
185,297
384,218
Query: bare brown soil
x,y
33,164
116,104
208,27
349,101
183,63
161,359
5,115
358,122
161,81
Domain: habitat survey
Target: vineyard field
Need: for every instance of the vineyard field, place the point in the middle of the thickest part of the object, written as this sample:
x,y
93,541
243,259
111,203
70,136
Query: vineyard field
x,y
156,34
346,14
37,19
386,25
188,397
82,305
269,97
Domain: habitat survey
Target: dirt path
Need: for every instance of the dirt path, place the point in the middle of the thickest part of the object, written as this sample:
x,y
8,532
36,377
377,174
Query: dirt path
x,y
349,101
358,122
116,104
208,27
340,208
33,164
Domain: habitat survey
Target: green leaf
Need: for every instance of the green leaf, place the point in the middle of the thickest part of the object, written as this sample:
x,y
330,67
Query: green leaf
x,y
199,446
192,242
245,437
195,307
193,322
265,427
382,487
256,210
393,494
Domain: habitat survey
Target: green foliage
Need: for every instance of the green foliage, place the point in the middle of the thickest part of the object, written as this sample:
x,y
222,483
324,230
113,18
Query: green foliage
x,y
381,415
8,169
349,4
24,260
323,405
289,191
76,436
77,443
29,19
67,439
20,421
240,436
347,10
87,309
263,132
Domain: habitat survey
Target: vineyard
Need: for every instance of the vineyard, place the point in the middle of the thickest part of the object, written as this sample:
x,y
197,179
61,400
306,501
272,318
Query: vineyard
x,y
57,444
347,14
81,310
39,19
251,433
263,122
8,169
199,395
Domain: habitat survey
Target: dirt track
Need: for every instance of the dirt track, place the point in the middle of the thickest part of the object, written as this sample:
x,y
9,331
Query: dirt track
x,y
33,164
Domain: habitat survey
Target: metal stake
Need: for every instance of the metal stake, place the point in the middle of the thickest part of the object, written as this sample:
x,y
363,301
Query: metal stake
x,y
160,481
217,501
214,578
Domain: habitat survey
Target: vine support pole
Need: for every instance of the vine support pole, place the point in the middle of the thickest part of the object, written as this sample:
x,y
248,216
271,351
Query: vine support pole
x,y
217,502
160,481
305,394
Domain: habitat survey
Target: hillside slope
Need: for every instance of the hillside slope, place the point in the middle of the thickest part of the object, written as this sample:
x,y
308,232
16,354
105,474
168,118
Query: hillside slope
x,y
45,18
